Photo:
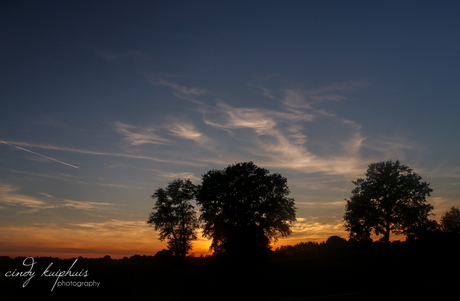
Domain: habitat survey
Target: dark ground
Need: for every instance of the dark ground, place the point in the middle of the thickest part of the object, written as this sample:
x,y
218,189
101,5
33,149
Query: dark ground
x,y
403,272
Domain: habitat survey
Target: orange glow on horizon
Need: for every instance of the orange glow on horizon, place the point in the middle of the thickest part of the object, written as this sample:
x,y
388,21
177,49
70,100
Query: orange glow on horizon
x,y
94,242
97,242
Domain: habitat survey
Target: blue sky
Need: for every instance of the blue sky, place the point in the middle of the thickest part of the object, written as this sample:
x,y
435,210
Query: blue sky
x,y
103,102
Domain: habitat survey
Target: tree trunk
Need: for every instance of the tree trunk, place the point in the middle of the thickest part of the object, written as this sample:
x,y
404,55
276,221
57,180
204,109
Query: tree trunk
x,y
176,245
387,233
184,237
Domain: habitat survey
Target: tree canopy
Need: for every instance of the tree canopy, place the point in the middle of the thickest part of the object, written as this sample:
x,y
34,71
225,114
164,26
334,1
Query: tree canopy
x,y
244,208
392,199
450,221
174,216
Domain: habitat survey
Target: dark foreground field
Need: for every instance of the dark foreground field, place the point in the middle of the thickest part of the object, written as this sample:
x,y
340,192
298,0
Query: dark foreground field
x,y
402,272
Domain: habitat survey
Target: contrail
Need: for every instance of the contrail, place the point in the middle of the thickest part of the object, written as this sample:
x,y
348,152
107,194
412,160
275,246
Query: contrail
x,y
26,150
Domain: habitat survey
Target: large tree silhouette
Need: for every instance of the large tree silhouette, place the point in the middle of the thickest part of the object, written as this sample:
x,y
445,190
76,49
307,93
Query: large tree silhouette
x,y
392,198
174,216
244,208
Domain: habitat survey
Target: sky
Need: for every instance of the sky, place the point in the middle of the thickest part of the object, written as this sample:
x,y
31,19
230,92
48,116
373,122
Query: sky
x,y
102,102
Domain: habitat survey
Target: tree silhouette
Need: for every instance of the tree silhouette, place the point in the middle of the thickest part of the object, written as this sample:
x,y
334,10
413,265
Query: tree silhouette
x,y
450,221
390,199
244,208
427,230
174,216
335,242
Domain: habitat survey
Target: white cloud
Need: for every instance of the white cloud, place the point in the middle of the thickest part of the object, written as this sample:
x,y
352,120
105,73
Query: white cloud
x,y
300,103
321,204
137,135
263,91
11,196
88,206
298,136
309,229
280,139
391,147
354,144
182,92
169,176
112,225
334,92
185,131
69,178
312,228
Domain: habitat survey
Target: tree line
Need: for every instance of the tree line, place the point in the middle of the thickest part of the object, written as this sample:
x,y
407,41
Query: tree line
x,y
245,208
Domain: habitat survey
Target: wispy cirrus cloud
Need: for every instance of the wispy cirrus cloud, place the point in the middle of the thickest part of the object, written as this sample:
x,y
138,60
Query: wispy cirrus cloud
x,y
394,146
178,175
87,206
176,87
113,225
332,92
53,176
300,135
174,133
69,178
12,197
186,131
315,229
281,138
179,91
139,135
286,138
262,90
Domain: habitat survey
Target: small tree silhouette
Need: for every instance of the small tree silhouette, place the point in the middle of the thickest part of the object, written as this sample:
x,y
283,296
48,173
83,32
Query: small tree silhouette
x,y
174,216
450,221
